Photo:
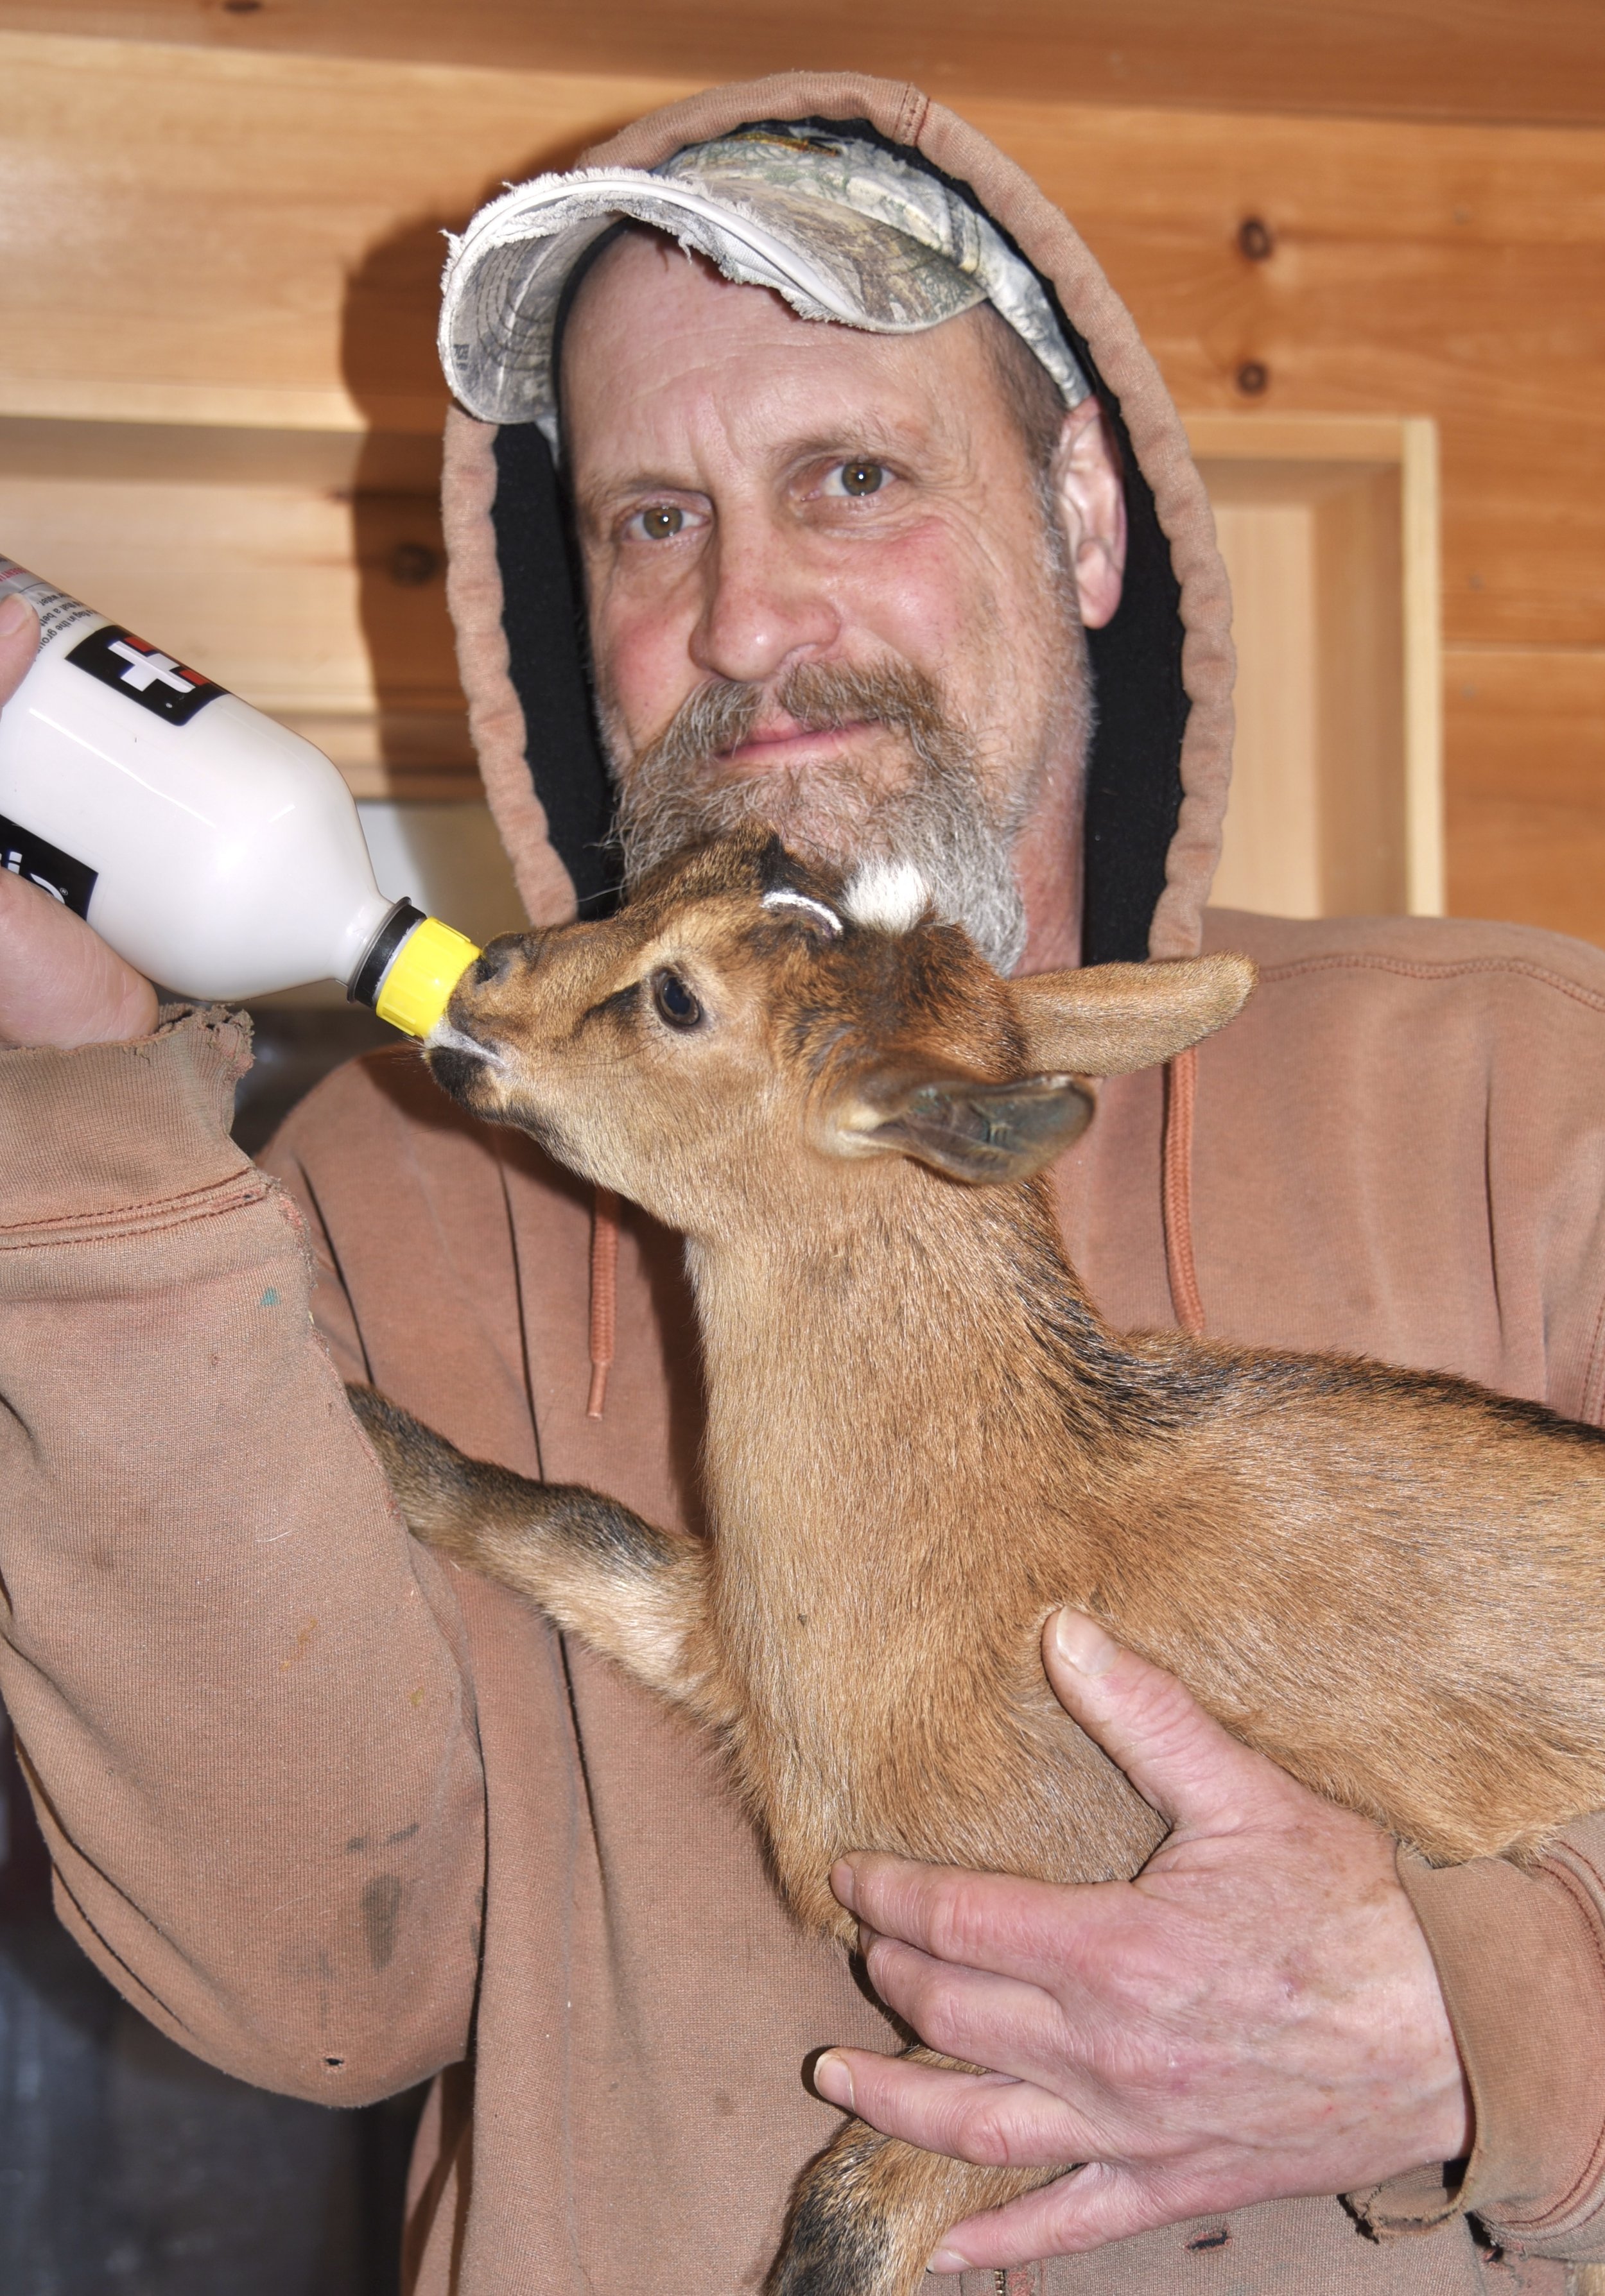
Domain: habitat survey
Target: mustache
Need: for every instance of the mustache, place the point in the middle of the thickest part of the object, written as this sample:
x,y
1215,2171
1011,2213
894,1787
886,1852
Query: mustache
x,y
821,697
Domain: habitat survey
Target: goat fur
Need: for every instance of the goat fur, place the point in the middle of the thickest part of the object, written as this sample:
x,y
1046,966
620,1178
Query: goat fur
x,y
922,1439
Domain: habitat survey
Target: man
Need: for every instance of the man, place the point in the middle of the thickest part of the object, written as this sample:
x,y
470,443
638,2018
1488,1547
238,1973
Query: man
x,y
888,535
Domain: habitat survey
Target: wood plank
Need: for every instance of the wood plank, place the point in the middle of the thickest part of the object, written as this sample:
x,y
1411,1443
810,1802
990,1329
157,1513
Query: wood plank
x,y
1359,608
1421,524
1351,704
1435,59
1320,817
1525,787
303,571
302,601
205,237
211,454
1455,271
1270,860
1240,436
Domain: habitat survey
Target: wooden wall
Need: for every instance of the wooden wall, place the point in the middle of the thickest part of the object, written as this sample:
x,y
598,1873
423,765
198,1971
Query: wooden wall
x,y
1539,61
211,223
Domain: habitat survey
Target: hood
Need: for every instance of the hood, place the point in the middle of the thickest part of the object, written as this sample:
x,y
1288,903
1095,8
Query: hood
x,y
1160,761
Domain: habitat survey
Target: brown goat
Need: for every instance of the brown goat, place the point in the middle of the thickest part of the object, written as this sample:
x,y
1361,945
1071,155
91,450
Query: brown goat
x,y
922,1439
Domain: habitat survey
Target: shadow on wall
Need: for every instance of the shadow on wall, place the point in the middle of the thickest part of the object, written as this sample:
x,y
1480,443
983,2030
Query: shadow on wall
x,y
387,356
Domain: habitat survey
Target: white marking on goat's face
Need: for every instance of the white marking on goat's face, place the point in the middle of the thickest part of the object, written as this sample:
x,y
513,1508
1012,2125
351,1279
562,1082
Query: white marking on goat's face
x,y
444,1038
890,894
784,898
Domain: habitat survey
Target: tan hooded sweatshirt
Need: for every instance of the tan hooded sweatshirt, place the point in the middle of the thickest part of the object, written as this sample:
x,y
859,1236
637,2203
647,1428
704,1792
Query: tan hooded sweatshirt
x,y
336,1816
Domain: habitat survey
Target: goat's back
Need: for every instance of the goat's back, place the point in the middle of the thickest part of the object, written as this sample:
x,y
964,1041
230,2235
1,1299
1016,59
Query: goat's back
x,y
1391,1582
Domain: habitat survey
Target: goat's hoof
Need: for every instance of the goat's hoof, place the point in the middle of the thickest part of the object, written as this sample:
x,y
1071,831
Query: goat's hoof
x,y
871,2209
834,2249
841,2240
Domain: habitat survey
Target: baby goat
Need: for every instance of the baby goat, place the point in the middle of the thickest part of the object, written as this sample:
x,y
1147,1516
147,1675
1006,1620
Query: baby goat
x,y
922,1439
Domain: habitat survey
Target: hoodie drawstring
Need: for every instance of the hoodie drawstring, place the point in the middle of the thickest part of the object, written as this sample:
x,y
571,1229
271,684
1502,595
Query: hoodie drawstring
x,y
603,1295
1181,1097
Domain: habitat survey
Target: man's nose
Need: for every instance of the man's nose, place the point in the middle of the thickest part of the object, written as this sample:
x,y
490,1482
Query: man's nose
x,y
765,606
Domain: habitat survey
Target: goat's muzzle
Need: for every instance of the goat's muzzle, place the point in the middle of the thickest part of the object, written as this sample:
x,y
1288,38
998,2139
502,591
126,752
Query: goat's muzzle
x,y
460,1062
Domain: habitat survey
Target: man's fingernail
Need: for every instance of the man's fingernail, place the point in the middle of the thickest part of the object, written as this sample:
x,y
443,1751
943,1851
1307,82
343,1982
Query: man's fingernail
x,y
1082,1642
843,1883
946,2260
14,612
833,2078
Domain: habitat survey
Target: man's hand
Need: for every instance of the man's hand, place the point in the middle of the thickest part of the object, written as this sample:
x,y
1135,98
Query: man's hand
x,y
59,982
1255,2016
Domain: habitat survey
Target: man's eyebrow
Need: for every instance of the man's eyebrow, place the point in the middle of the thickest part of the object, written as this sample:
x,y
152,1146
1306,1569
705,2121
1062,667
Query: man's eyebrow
x,y
879,431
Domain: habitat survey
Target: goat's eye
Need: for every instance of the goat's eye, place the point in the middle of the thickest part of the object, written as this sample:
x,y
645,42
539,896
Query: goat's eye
x,y
674,1001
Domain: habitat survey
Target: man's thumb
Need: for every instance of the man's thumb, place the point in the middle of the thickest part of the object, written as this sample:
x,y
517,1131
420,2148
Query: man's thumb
x,y
1191,1771
18,642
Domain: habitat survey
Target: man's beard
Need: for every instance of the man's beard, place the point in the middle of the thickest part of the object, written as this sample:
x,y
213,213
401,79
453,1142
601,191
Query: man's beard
x,y
937,813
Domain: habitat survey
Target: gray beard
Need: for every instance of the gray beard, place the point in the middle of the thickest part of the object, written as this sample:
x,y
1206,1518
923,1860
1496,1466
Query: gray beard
x,y
939,817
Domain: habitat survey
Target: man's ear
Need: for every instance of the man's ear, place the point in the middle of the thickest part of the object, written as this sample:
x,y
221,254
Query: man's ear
x,y
1089,494
1107,1020
962,1126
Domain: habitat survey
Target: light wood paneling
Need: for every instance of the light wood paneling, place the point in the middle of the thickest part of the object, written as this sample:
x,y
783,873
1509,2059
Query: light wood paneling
x,y
1526,804
259,585
220,236
1451,271
1432,59
269,559
1454,272
1329,533
242,239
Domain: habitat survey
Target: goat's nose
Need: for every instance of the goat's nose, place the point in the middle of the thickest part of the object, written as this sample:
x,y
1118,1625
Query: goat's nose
x,y
492,964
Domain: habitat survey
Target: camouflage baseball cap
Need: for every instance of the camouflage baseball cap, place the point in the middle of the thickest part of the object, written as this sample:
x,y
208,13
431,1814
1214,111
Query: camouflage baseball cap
x,y
843,228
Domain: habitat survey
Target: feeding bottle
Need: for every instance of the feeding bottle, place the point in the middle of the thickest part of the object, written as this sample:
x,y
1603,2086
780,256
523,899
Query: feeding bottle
x,y
217,851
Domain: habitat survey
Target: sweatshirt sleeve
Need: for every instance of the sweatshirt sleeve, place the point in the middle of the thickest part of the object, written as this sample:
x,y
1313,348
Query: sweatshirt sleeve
x,y
1520,1954
239,1689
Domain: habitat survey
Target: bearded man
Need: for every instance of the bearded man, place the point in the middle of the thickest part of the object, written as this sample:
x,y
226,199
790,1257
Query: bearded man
x,y
887,537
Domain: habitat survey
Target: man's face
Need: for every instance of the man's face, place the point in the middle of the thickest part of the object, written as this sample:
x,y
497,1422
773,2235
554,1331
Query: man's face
x,y
823,586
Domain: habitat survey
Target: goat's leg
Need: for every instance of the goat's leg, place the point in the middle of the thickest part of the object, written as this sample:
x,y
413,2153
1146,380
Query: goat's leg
x,y
598,1571
869,2212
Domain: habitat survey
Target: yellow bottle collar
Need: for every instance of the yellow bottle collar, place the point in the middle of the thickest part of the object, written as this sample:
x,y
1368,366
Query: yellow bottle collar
x,y
417,986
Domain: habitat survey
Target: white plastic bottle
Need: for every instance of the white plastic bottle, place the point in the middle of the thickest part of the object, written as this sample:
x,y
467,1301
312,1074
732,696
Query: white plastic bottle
x,y
217,851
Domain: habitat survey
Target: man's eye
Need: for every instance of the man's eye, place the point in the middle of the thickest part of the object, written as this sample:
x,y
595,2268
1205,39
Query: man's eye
x,y
859,477
659,522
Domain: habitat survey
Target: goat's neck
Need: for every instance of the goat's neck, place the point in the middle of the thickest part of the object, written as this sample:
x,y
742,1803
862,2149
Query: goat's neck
x,y
886,1375
905,1418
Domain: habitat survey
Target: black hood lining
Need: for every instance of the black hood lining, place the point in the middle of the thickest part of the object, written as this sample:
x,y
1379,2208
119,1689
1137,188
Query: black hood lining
x,y
1135,765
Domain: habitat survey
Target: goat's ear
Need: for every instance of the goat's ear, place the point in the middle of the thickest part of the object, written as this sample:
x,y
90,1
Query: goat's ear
x,y
964,1127
1109,1019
